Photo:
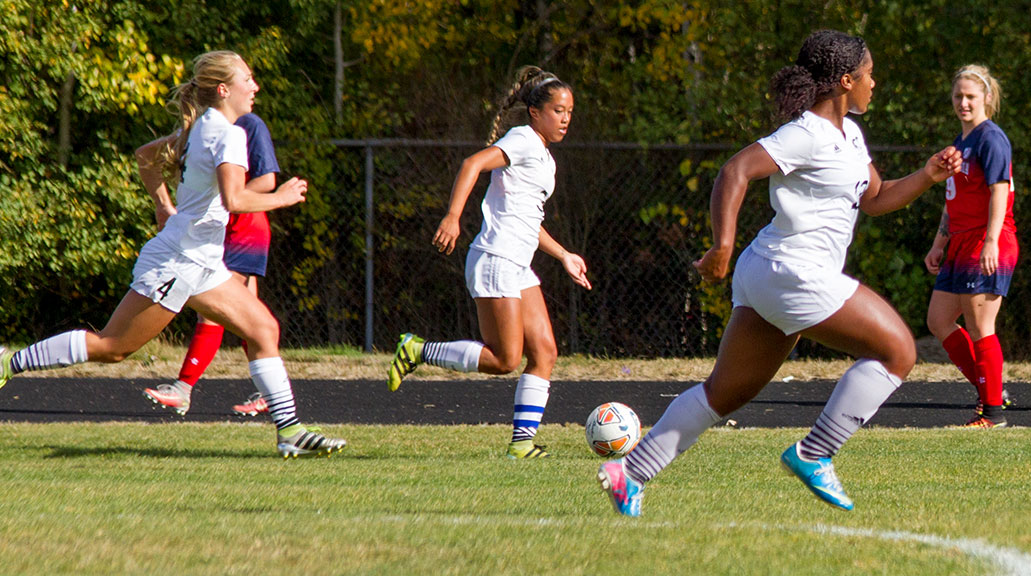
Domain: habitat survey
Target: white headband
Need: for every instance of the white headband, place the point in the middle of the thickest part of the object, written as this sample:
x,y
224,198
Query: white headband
x,y
987,86
546,81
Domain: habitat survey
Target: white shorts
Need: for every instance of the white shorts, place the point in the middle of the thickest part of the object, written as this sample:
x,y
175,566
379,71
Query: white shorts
x,y
490,276
170,279
790,296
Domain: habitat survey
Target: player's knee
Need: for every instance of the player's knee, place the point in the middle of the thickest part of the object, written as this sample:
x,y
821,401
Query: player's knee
x,y
902,358
508,363
264,333
543,356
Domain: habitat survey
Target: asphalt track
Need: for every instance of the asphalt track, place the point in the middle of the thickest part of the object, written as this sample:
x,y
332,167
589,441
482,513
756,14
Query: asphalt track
x,y
781,404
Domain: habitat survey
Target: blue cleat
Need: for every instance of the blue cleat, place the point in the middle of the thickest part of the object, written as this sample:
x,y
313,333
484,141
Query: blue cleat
x,y
818,476
625,492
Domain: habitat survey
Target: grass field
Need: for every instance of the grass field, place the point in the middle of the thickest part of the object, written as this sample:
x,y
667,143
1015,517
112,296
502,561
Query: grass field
x,y
214,499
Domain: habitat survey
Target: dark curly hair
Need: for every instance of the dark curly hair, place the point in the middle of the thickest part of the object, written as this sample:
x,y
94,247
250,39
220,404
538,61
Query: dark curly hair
x,y
533,88
825,56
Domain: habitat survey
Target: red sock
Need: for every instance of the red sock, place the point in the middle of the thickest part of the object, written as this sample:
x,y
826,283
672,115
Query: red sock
x,y
206,340
988,352
961,351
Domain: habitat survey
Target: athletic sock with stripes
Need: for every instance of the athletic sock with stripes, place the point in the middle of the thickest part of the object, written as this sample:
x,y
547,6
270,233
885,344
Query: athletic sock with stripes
x,y
679,428
461,355
531,397
856,398
203,346
65,349
269,377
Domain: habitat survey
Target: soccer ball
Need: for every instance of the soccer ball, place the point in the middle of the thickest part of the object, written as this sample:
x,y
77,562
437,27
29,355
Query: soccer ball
x,y
613,430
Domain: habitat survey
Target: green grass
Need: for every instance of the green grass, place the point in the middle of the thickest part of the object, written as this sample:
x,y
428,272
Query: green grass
x,y
214,499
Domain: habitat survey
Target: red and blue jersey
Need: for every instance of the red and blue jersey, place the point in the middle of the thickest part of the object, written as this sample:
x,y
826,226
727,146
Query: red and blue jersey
x,y
248,235
987,160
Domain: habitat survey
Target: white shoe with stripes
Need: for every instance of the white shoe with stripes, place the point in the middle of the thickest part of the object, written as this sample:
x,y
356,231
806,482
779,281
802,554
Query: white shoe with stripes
x,y
308,443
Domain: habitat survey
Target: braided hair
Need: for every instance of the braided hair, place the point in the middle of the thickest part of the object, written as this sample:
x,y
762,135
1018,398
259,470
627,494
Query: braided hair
x,y
825,56
533,88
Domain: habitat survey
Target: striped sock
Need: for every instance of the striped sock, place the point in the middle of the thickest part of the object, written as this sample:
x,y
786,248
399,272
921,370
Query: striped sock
x,y
65,349
269,376
687,416
531,396
856,398
461,355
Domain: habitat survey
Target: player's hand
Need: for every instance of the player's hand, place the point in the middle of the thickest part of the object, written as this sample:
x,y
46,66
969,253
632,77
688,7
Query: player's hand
x,y
162,213
713,265
446,235
989,258
944,164
292,191
933,260
576,268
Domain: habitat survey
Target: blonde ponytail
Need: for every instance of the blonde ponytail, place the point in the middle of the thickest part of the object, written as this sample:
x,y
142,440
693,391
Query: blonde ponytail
x,y
191,99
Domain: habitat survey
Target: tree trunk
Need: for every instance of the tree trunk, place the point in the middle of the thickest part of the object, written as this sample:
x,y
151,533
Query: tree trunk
x,y
338,55
64,127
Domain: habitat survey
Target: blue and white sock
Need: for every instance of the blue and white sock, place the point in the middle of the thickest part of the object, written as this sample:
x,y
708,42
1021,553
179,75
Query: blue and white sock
x,y
687,416
856,398
461,355
531,396
62,350
269,377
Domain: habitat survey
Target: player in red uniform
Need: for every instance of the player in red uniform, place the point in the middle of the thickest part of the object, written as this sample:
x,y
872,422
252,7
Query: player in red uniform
x,y
975,250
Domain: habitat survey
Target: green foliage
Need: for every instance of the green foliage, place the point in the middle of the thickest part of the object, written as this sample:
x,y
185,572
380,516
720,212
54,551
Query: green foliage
x,y
650,71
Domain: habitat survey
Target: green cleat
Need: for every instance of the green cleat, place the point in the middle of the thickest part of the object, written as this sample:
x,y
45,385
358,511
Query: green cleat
x,y
407,357
308,443
526,449
5,365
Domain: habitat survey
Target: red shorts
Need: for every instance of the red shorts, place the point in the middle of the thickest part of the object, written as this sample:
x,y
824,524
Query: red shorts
x,y
961,270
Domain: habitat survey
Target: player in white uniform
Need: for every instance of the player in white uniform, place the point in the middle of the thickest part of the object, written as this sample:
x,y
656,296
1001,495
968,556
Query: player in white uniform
x,y
509,304
789,282
182,265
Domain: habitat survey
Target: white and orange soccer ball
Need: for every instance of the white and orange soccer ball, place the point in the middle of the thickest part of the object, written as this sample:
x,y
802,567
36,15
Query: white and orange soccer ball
x,y
613,430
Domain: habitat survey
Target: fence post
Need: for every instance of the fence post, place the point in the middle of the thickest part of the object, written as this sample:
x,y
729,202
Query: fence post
x,y
369,168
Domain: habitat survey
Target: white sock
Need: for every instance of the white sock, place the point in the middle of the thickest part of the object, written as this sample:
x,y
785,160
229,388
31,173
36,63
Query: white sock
x,y
461,355
62,350
531,396
856,398
679,428
269,377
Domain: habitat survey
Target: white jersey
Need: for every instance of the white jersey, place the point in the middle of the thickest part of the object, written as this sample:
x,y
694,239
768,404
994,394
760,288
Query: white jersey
x,y
513,208
198,229
823,174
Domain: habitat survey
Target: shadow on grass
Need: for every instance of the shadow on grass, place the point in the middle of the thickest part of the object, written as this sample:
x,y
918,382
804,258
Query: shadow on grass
x,y
80,452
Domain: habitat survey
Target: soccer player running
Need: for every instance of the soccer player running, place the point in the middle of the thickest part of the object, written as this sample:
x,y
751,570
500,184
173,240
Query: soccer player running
x,y
510,306
789,282
182,265
978,229
248,236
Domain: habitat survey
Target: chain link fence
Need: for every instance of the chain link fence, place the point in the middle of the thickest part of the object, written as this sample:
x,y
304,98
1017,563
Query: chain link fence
x,y
354,265
638,215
